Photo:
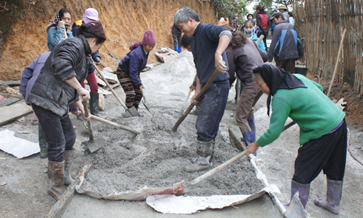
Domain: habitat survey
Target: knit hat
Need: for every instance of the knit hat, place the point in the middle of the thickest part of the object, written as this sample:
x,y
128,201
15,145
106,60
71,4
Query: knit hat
x,y
149,38
94,28
90,15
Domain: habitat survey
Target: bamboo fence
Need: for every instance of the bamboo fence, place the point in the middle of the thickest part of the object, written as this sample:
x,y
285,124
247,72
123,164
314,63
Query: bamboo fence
x,y
320,24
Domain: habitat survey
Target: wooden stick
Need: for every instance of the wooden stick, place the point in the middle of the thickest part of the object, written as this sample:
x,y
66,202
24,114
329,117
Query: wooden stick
x,y
90,130
215,170
332,79
111,89
114,124
65,33
337,62
260,39
190,91
206,86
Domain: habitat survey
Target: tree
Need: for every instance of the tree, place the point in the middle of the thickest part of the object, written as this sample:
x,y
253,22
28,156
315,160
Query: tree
x,y
226,8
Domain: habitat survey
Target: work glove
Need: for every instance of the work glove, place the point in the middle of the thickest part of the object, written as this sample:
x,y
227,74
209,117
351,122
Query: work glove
x,y
97,60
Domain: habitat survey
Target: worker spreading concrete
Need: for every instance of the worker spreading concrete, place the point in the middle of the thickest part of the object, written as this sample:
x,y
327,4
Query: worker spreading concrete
x,y
208,56
323,131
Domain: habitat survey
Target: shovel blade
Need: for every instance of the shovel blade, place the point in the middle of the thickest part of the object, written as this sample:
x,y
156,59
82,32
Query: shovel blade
x,y
133,111
95,145
235,140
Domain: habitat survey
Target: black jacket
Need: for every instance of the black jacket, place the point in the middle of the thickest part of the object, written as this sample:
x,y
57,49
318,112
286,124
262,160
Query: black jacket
x,y
67,60
286,43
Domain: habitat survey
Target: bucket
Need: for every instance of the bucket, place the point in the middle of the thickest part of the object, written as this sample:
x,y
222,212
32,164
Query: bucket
x,y
301,70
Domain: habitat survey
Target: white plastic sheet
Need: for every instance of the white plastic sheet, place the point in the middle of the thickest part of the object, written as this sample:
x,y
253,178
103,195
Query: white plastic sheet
x,y
191,204
15,146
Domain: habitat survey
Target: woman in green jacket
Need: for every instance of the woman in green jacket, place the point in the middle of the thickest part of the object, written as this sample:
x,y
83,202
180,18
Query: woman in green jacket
x,y
323,131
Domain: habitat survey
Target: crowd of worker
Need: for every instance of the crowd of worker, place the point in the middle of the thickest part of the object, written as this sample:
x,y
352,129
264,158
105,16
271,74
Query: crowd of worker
x,y
53,84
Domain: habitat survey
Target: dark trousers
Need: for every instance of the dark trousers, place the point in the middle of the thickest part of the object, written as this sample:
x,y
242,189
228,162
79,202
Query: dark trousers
x,y
327,153
213,104
287,65
58,131
265,42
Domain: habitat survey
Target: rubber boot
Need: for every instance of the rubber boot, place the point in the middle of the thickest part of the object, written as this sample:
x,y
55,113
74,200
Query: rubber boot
x,y
176,48
205,151
303,189
179,49
68,161
251,123
93,104
250,137
196,110
43,144
56,174
333,196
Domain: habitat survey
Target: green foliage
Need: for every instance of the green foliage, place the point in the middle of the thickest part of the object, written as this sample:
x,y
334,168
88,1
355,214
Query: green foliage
x,y
285,2
226,8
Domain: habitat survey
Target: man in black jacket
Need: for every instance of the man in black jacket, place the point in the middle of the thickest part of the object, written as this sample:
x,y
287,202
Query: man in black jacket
x,y
286,46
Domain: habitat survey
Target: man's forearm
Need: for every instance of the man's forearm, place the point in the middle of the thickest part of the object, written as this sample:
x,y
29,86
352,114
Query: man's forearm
x,y
223,44
199,86
74,83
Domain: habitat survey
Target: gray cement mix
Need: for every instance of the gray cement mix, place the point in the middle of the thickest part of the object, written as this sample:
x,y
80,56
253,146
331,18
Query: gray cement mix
x,y
157,156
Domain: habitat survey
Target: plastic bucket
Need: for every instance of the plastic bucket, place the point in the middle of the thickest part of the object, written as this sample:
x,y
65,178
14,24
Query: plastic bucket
x,y
301,70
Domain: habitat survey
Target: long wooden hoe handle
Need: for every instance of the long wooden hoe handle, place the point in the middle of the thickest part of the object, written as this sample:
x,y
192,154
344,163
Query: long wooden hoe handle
x,y
108,85
215,170
86,113
206,86
114,124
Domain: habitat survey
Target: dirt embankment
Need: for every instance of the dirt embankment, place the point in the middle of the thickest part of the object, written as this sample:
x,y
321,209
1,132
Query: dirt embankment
x,y
125,23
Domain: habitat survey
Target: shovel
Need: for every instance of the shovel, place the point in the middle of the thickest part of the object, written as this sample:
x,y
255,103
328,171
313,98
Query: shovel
x,y
131,111
215,170
93,145
204,89
186,100
145,103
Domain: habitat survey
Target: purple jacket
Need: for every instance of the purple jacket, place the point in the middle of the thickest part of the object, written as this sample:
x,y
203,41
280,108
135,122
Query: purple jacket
x,y
30,75
134,62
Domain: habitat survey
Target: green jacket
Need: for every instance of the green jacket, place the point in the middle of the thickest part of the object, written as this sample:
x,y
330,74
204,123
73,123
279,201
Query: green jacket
x,y
309,107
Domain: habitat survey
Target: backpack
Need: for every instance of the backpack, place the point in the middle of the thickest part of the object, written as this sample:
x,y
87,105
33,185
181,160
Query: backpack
x,y
264,20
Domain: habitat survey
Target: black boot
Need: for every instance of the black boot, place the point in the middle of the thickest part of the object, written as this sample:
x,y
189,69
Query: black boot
x,y
93,104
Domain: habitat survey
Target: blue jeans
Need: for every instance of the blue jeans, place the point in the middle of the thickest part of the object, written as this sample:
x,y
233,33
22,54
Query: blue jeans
x,y
213,104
